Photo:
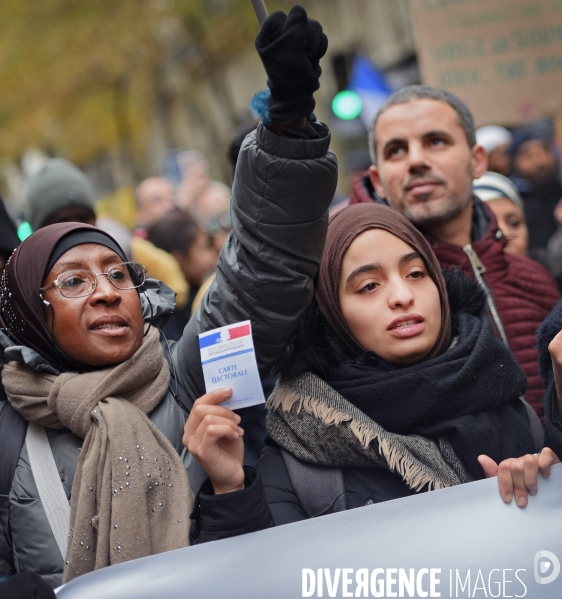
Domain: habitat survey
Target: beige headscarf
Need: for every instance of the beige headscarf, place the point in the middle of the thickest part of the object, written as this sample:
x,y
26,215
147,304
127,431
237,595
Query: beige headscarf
x,y
130,495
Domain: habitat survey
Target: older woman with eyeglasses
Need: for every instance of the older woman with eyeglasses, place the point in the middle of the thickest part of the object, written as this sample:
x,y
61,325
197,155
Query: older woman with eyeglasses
x,y
82,366
86,372
103,396
84,363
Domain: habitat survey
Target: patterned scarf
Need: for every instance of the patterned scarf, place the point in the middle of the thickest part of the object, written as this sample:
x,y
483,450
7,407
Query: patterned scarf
x,y
130,495
316,424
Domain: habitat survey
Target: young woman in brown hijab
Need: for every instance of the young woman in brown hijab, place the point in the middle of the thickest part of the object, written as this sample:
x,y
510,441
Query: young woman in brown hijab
x,y
392,384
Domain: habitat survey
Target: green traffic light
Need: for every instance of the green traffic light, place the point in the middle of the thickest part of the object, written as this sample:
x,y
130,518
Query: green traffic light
x,y
347,105
24,231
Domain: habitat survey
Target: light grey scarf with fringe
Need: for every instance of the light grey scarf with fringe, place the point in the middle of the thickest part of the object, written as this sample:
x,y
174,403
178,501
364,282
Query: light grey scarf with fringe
x,y
314,423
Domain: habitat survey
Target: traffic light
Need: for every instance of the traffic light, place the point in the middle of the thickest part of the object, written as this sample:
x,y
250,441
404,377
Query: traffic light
x,y
24,231
347,105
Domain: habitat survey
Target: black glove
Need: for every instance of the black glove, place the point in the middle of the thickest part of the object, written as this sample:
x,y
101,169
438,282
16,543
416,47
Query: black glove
x,y
290,47
26,586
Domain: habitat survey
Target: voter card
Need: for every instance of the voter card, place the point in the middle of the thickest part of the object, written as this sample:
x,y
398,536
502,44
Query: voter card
x,y
229,360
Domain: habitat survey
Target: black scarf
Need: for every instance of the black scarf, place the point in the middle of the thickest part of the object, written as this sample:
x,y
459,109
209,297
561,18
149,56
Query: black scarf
x,y
469,395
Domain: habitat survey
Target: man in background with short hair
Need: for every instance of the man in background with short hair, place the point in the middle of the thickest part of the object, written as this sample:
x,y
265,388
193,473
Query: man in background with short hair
x,y
425,158
179,234
155,197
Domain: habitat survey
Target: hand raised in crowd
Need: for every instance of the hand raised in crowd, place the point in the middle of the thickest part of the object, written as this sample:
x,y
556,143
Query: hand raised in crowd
x,y
290,47
213,437
519,476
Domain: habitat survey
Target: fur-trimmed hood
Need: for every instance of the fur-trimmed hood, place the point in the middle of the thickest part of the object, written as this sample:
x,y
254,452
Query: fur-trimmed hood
x,y
316,348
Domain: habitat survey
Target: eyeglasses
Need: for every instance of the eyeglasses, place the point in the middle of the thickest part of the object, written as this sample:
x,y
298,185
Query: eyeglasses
x,y
80,283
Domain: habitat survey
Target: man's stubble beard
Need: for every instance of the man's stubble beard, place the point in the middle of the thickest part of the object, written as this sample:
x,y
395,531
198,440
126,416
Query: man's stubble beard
x,y
428,216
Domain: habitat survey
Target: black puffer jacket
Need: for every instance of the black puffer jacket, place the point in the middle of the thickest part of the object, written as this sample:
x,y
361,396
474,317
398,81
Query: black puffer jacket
x,y
282,189
313,349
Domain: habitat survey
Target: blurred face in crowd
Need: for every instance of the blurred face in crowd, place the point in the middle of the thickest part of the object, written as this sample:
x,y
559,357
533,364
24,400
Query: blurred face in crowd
x,y
214,201
155,197
72,214
198,260
103,328
388,299
498,160
219,240
534,161
512,224
425,166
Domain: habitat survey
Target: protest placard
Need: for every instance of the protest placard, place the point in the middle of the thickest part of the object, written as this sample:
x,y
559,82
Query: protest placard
x,y
502,57
457,542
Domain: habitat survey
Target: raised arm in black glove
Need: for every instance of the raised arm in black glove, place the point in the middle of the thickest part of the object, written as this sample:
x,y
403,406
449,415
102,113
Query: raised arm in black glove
x,y
290,47
26,586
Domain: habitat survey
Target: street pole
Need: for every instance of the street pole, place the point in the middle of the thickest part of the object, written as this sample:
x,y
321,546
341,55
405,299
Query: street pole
x,y
260,10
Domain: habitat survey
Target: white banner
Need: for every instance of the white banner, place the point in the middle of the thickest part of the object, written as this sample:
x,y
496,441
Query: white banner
x,y
458,542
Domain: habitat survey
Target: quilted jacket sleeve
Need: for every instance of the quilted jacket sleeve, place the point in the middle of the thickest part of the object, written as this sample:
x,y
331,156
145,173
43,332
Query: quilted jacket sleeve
x,y
267,500
282,189
216,517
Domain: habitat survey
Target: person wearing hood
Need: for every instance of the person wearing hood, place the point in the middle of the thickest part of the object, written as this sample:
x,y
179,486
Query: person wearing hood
x,y
424,161
377,397
95,386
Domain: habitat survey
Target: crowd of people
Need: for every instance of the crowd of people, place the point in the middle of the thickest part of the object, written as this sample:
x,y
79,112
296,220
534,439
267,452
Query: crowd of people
x,y
407,344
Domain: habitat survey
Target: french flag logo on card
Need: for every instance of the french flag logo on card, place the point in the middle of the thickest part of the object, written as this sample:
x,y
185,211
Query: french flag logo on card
x,y
225,334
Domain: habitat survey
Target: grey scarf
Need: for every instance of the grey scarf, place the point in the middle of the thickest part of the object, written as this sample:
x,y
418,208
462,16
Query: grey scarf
x,y
314,423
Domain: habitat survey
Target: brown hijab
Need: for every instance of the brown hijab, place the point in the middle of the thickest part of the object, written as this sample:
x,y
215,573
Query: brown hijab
x,y
22,314
343,228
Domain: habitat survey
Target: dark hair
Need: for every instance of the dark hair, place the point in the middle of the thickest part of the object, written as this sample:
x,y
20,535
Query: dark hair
x,y
421,92
176,231
238,140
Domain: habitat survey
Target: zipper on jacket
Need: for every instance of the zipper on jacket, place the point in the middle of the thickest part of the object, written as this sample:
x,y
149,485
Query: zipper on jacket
x,y
479,269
